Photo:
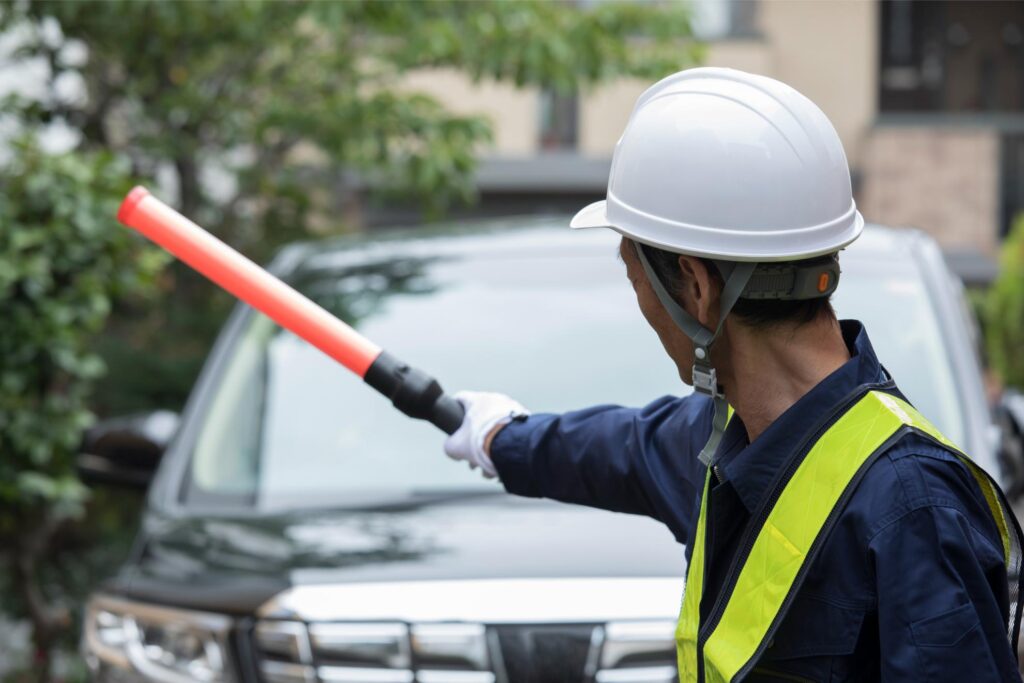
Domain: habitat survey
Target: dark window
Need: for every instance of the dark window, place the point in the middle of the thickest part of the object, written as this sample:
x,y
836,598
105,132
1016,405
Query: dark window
x,y
1012,189
724,19
559,116
952,56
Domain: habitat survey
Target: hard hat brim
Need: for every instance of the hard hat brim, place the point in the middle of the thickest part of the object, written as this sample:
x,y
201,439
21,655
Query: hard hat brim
x,y
591,216
741,245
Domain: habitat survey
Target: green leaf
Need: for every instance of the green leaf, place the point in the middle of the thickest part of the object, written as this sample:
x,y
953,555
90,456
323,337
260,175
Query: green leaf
x,y
1004,310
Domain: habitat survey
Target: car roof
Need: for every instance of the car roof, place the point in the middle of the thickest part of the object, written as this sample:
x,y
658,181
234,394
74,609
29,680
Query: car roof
x,y
526,237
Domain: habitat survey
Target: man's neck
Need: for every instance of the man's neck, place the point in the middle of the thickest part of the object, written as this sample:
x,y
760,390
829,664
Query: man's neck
x,y
768,373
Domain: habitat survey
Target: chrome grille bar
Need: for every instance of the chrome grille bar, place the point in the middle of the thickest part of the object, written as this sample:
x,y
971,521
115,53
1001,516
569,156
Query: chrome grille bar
x,y
634,651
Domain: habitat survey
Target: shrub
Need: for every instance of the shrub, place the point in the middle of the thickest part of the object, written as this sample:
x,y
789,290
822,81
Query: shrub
x,y
1004,311
63,262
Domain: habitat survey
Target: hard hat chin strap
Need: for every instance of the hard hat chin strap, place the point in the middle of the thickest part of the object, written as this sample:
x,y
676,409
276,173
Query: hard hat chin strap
x,y
705,379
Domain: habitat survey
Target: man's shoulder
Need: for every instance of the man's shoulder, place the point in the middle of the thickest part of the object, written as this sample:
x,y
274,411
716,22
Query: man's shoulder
x,y
929,473
917,473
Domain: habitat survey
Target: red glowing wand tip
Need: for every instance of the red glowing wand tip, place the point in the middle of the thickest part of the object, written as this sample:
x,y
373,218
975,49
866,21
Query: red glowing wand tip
x,y
137,194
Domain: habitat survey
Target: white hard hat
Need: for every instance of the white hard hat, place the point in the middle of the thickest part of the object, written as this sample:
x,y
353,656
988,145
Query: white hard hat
x,y
729,165
738,168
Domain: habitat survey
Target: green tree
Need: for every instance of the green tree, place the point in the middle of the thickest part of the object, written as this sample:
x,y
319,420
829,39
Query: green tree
x,y
243,85
1004,311
63,260
288,103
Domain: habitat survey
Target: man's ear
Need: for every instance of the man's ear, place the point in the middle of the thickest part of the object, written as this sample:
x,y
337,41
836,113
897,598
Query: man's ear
x,y
699,292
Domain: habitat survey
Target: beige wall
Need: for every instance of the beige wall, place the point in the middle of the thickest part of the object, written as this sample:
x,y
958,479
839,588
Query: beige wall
x,y
944,180
514,112
824,48
828,51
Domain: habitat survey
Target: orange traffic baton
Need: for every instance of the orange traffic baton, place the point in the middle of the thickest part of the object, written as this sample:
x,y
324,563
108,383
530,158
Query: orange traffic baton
x,y
412,391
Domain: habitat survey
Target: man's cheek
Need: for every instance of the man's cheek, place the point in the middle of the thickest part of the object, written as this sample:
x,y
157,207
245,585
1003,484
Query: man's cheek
x,y
648,309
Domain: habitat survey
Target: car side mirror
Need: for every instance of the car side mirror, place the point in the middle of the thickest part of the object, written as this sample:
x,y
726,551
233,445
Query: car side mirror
x,y
1010,419
125,451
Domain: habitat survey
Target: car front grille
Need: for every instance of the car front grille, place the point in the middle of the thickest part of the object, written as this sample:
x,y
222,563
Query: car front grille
x,y
546,653
392,652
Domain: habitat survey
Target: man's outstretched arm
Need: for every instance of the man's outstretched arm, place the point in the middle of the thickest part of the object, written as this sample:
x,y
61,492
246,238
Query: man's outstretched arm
x,y
635,460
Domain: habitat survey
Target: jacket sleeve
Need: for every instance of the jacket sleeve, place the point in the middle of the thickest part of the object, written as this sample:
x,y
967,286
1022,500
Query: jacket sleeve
x,y
942,597
636,460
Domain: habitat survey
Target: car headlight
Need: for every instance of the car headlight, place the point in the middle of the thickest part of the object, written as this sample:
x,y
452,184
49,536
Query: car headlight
x,y
156,643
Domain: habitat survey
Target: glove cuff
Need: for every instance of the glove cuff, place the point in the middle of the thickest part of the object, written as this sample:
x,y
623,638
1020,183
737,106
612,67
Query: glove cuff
x,y
480,454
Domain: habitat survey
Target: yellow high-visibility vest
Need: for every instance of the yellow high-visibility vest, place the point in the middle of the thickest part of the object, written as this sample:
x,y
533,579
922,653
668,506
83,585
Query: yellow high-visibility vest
x,y
728,646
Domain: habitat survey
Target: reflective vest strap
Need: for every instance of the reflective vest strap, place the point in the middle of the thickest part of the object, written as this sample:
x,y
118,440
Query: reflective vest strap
x,y
790,530
995,506
689,614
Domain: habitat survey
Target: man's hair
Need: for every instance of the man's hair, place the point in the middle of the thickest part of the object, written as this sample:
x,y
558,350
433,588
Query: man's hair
x,y
757,313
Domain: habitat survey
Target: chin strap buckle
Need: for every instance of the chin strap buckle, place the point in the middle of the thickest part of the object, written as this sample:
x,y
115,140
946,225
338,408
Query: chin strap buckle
x,y
705,379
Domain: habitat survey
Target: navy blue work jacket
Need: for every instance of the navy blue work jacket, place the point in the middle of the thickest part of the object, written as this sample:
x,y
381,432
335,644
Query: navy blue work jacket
x,y
910,584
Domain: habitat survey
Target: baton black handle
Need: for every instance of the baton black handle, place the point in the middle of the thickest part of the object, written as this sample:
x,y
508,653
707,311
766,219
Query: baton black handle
x,y
414,392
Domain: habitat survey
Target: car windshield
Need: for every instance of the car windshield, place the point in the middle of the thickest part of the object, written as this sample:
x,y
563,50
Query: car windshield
x,y
288,427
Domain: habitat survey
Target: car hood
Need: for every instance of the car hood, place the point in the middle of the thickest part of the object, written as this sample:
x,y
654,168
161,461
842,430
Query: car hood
x,y
234,564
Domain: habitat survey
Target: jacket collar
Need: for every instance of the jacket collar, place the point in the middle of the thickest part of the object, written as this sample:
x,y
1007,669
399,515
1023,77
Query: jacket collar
x,y
751,467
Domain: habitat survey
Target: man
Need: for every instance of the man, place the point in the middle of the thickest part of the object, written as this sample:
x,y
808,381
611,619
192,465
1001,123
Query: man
x,y
832,533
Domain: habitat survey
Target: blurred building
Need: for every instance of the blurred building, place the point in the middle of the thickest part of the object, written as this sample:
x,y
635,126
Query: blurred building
x,y
928,98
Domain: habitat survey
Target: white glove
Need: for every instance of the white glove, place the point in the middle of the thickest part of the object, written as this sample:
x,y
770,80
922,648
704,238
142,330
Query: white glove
x,y
484,412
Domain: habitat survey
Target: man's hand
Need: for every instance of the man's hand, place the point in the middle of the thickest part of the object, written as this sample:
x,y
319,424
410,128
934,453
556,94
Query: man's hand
x,y
486,414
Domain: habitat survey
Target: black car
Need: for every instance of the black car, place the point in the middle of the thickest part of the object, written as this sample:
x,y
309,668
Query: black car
x,y
300,529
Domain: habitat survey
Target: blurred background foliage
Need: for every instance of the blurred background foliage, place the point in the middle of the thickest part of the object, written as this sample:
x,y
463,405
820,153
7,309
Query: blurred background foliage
x,y
288,108
260,120
1003,311
62,268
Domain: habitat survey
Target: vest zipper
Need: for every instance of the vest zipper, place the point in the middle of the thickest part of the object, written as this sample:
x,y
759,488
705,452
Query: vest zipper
x,y
750,534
